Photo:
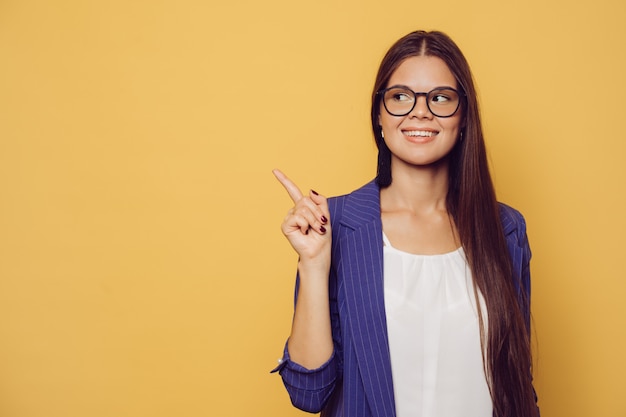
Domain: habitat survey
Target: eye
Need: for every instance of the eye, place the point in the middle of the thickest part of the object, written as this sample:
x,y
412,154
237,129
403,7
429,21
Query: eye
x,y
443,96
401,96
440,98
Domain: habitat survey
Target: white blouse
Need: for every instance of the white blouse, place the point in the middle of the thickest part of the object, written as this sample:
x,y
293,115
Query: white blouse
x,y
434,336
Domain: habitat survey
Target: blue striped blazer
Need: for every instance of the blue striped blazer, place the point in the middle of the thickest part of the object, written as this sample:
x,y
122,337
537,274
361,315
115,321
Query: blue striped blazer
x,y
356,381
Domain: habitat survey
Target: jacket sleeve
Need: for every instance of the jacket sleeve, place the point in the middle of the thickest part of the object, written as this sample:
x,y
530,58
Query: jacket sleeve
x,y
310,389
514,226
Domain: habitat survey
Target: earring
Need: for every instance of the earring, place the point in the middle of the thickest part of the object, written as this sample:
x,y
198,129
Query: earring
x,y
461,136
382,133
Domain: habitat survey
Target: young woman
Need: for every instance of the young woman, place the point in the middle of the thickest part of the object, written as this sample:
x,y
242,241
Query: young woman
x,y
412,293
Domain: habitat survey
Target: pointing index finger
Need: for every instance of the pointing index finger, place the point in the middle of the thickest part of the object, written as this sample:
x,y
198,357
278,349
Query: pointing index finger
x,y
292,189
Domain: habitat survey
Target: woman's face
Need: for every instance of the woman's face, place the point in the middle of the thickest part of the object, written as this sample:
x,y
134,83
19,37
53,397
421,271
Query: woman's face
x,y
420,138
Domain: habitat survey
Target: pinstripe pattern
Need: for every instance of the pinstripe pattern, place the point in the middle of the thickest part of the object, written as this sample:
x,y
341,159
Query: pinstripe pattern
x,y
356,381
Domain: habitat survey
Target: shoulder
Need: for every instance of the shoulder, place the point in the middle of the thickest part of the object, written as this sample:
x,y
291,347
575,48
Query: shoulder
x,y
365,199
511,218
513,225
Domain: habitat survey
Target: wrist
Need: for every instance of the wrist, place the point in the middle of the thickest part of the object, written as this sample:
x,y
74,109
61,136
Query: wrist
x,y
314,266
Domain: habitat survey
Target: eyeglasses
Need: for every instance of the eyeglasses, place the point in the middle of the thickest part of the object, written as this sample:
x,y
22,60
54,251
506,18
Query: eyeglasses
x,y
401,100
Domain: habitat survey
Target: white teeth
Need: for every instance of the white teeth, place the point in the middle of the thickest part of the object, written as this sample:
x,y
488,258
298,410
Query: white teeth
x,y
422,133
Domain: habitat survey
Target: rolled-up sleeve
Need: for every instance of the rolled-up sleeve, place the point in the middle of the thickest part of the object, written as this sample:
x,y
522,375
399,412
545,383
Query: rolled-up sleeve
x,y
309,389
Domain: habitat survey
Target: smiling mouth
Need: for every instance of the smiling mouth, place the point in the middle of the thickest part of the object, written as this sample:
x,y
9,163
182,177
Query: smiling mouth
x,y
420,133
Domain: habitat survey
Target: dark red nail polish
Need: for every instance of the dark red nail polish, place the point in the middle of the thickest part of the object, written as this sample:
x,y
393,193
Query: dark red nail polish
x,y
324,219
322,229
314,192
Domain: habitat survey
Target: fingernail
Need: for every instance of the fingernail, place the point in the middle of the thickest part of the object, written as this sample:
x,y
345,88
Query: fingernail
x,y
322,229
314,192
324,219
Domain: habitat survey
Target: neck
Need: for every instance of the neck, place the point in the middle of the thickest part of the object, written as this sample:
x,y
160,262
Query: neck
x,y
417,189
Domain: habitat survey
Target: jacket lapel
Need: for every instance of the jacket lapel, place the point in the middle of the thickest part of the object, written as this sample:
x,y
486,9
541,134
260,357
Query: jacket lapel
x,y
362,268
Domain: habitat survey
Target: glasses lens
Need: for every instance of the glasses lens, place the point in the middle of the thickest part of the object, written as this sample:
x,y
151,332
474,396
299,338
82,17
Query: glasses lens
x,y
399,101
443,102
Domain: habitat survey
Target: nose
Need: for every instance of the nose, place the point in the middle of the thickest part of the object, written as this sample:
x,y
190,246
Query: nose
x,y
421,109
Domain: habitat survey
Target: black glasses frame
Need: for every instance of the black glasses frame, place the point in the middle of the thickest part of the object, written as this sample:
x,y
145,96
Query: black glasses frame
x,y
418,94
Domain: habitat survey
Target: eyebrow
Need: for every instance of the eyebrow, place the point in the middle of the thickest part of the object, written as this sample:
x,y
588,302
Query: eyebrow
x,y
409,88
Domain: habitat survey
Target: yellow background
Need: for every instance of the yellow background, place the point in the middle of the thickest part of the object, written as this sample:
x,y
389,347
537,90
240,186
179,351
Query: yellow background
x,y
142,270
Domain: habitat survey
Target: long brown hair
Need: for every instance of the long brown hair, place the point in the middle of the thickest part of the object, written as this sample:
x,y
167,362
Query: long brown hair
x,y
471,201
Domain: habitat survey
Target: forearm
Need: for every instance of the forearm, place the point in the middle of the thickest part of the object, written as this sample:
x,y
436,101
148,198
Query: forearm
x,y
310,343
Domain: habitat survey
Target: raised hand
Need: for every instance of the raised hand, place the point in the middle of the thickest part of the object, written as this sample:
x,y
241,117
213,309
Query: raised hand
x,y
307,224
